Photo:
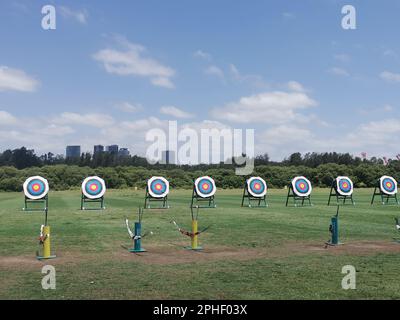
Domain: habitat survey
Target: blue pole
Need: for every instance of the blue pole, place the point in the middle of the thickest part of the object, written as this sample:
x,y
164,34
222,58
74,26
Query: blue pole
x,y
138,232
335,230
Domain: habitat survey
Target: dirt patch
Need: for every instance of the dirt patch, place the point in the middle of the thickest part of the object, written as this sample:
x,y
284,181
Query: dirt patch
x,y
176,254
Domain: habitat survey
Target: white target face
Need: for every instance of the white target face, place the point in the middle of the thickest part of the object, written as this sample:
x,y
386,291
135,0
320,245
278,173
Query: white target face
x,y
301,186
205,187
158,187
388,185
344,186
257,187
93,187
36,188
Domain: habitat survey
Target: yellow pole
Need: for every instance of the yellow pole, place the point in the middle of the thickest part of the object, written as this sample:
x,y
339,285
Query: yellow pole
x,y
46,243
194,237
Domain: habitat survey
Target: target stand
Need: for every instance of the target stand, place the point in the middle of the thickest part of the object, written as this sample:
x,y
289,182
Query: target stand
x,y
300,191
93,190
203,195
334,230
157,190
36,192
342,189
44,241
255,192
386,189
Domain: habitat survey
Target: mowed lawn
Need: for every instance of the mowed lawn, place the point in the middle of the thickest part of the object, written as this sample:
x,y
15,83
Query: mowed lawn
x,y
257,253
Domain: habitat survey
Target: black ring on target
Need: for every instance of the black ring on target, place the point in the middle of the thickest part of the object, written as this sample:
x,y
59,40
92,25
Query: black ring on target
x,y
93,187
36,188
388,185
205,187
158,187
344,186
257,187
301,186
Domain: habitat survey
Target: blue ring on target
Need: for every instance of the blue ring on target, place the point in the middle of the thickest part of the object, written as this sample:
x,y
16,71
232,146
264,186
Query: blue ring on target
x,y
301,186
158,187
344,186
205,187
388,185
257,187
36,188
93,187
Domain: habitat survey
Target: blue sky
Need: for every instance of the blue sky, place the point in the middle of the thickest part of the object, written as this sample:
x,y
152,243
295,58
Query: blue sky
x,y
112,70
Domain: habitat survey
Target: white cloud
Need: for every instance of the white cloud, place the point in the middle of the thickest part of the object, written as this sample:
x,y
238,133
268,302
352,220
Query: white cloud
x,y
342,57
128,107
203,55
268,107
390,76
7,118
252,79
16,80
79,15
215,71
295,86
339,72
90,119
175,112
131,61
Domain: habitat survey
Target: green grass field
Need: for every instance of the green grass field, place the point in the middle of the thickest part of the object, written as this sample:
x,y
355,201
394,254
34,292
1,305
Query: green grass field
x,y
263,253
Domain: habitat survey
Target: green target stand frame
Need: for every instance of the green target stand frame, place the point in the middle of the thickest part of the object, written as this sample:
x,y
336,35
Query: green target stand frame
x,y
298,197
157,190
93,190
36,192
254,199
385,195
341,195
201,199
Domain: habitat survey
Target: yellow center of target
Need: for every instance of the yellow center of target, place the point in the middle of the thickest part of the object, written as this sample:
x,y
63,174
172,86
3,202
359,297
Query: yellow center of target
x,y
93,187
345,185
257,186
302,185
205,186
388,184
36,187
158,187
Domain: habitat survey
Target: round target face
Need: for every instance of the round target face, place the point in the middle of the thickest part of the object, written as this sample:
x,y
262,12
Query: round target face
x,y
388,185
257,187
301,186
344,186
205,187
36,188
158,187
93,187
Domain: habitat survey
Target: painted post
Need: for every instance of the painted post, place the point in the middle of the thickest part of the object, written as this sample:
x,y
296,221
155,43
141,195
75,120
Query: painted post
x,y
138,242
195,236
335,230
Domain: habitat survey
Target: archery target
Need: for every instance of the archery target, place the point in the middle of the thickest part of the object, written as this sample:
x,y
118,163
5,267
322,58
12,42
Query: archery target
x,y
388,185
301,186
93,187
158,187
36,188
344,186
205,187
257,187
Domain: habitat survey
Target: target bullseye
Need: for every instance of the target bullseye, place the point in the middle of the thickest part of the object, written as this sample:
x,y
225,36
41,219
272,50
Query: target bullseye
x,y
301,186
36,188
205,187
93,187
257,187
388,185
344,186
158,187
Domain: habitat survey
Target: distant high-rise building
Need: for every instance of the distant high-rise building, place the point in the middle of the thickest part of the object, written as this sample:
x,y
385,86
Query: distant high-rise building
x,y
73,151
168,157
98,149
112,149
123,152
